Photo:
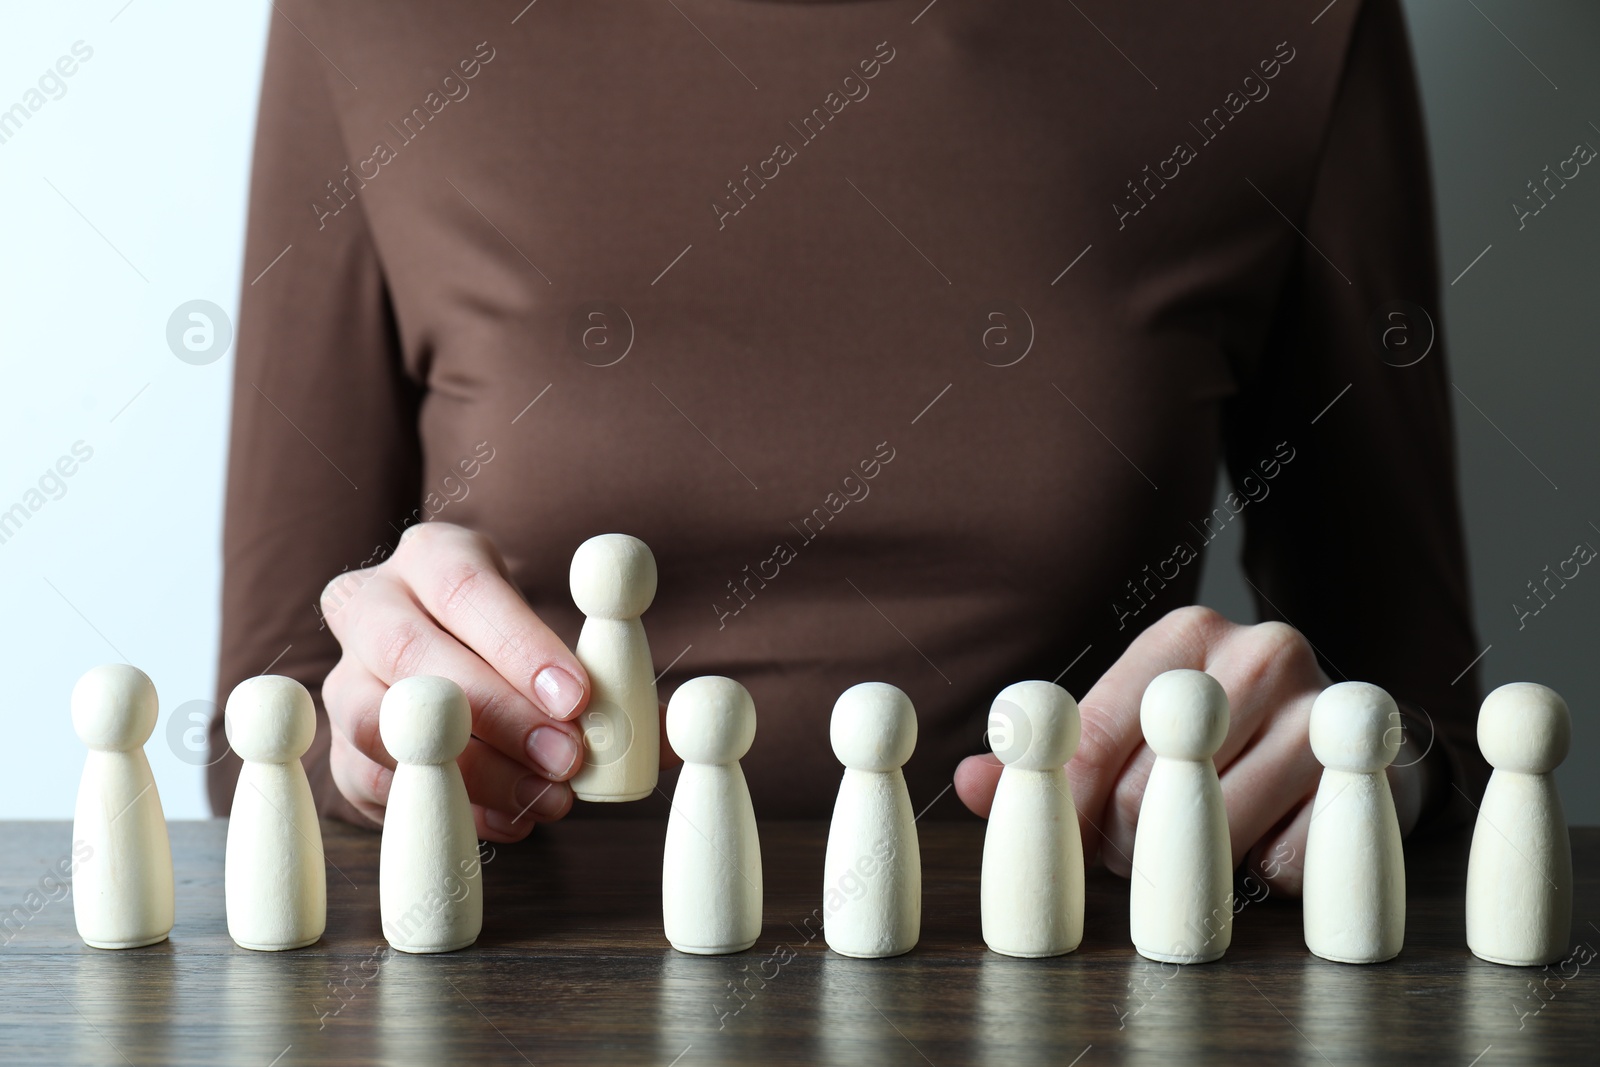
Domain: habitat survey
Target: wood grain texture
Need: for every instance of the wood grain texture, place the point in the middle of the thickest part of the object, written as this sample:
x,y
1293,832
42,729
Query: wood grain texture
x,y
572,968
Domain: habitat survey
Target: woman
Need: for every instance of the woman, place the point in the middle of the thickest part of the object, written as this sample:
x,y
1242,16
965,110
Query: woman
x,y
908,337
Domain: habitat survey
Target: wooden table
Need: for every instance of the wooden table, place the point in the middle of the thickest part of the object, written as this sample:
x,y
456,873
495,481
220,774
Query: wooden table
x,y
572,968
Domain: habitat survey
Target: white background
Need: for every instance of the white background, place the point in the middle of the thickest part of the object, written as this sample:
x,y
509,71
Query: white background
x,y
150,147
151,143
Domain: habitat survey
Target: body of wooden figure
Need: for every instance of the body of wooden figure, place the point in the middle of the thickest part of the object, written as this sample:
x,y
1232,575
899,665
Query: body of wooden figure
x,y
613,582
1181,886
711,867
122,891
275,878
430,887
1032,884
1354,887
872,869
1519,873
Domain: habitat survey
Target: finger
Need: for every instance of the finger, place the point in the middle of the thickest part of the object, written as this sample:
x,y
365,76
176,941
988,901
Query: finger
x,y
486,832
363,769
1119,826
1412,779
1270,676
457,576
493,783
352,695
514,797
362,781
1260,667
1271,779
489,821
387,631
1279,858
976,779
1109,712
1259,789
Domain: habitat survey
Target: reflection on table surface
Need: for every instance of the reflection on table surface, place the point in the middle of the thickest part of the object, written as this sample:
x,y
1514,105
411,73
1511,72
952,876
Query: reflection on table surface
x,y
572,968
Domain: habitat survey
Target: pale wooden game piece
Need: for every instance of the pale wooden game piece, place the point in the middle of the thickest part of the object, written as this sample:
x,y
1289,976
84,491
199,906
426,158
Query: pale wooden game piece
x,y
122,894
613,582
872,871
430,888
1355,869
1519,874
711,869
1032,888
276,885
1181,887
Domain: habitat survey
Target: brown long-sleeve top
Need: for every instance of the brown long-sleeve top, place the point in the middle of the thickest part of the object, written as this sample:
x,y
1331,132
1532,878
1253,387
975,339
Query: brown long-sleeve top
x,y
908,336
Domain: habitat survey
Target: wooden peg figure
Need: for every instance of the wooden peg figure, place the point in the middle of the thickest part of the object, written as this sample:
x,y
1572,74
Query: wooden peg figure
x,y
613,582
1354,887
122,893
1181,886
275,877
1519,873
1032,887
430,889
711,867
872,871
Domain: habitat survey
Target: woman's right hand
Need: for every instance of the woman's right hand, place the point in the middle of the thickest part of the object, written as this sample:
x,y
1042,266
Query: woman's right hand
x,y
443,604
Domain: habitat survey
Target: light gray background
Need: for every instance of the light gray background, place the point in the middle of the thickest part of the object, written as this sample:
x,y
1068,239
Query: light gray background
x,y
125,198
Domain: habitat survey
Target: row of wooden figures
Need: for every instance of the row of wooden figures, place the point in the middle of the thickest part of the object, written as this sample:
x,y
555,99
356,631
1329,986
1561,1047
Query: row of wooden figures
x,y
1519,882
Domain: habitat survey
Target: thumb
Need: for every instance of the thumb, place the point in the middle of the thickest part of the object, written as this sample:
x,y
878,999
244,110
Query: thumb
x,y
975,780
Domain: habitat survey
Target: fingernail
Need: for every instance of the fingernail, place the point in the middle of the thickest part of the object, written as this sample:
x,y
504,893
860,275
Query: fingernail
x,y
553,750
539,795
558,691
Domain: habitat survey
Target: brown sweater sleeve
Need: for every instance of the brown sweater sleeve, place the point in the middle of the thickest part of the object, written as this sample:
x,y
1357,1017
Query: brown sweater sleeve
x,y
1359,543
323,458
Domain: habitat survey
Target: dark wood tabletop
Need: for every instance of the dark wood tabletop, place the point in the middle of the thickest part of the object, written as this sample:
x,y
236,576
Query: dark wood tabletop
x,y
572,968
